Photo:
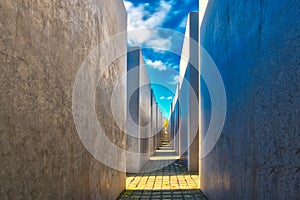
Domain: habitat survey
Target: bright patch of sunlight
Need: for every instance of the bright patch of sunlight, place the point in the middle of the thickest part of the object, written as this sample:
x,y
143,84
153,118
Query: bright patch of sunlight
x,y
165,158
165,151
173,182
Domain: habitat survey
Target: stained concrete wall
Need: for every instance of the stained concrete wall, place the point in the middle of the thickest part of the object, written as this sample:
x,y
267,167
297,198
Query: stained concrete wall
x,y
157,121
188,137
42,45
175,121
145,110
156,125
160,132
255,45
154,121
132,128
139,110
153,125
171,124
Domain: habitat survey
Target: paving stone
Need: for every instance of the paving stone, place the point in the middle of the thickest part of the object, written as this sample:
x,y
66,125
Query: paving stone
x,y
170,180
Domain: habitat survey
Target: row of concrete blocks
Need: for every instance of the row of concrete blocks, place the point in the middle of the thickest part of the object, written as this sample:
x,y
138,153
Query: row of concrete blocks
x,y
256,55
144,118
184,115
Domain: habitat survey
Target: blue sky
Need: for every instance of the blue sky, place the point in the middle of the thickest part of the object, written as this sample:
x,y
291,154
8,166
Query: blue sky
x,y
163,66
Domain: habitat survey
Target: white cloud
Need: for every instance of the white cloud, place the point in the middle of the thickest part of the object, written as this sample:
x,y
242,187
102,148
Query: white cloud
x,y
138,16
169,98
139,19
157,64
162,98
176,79
140,36
160,43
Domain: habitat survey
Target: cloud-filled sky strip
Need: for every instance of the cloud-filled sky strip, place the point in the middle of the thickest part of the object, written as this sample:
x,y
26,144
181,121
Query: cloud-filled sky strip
x,y
161,65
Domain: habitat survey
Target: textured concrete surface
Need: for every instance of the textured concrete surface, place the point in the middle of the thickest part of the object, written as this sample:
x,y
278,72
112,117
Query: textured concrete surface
x,y
189,144
145,110
152,146
174,122
255,45
159,129
170,180
155,140
42,45
139,108
133,81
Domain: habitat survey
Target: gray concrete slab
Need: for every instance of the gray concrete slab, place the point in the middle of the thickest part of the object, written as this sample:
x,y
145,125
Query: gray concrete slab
x,y
255,45
42,45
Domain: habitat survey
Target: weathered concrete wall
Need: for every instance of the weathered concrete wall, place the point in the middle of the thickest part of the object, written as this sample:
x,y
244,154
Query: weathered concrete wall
x,y
157,127
42,45
183,103
189,144
156,119
145,111
171,125
255,45
153,125
175,121
133,95
139,109
183,97
158,130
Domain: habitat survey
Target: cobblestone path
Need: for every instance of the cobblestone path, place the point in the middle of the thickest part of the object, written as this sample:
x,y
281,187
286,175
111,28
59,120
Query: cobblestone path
x,y
163,177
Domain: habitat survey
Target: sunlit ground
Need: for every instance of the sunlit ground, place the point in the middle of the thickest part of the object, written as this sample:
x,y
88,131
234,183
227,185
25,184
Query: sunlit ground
x,y
163,182
163,172
163,177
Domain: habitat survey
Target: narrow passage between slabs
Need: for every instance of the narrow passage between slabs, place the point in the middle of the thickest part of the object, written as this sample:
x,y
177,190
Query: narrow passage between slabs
x,y
163,177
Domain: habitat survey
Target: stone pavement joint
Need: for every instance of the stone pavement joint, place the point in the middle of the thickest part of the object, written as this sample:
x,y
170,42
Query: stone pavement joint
x,y
163,177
